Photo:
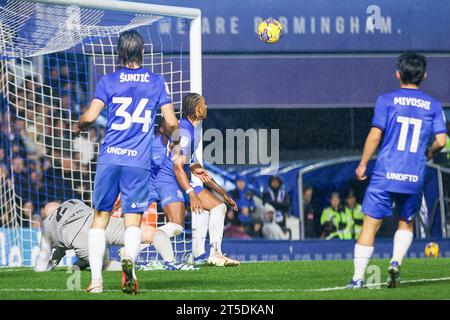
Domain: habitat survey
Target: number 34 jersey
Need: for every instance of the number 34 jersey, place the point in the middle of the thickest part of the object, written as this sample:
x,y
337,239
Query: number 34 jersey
x,y
409,119
132,98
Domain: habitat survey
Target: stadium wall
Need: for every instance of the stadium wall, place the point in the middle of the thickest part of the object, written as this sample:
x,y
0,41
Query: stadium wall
x,y
311,81
321,25
244,250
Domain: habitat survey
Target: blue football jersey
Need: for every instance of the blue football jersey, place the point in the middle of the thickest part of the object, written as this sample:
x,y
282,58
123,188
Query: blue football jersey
x,y
159,150
190,138
132,98
409,119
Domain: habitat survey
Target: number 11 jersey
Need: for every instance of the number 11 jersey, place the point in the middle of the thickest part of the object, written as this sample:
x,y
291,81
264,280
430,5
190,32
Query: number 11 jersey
x,y
132,98
409,119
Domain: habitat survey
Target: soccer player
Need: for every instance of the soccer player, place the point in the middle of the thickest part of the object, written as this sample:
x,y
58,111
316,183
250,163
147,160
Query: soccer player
x,y
66,227
413,128
173,186
132,95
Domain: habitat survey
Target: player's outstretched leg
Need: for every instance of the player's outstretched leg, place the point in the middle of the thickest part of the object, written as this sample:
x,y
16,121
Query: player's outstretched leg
x,y
393,280
216,226
97,247
200,223
363,251
402,241
129,279
217,211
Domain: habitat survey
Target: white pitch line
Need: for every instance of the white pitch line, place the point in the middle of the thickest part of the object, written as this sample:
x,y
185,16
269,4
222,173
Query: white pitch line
x,y
222,291
14,269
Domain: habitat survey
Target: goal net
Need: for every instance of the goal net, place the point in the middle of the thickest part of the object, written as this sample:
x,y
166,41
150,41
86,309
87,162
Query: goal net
x,y
51,57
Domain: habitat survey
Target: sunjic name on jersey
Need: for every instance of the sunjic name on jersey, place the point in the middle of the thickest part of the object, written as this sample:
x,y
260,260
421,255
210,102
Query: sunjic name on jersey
x,y
132,97
409,119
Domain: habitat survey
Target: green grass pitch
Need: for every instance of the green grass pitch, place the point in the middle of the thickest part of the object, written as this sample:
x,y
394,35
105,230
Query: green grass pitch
x,y
423,279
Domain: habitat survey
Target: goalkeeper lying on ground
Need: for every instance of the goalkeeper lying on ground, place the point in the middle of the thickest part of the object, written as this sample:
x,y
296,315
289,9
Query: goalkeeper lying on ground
x,y
66,227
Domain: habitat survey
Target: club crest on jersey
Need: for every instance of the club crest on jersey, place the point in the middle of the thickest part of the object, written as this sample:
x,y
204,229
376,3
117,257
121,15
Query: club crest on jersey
x,y
184,141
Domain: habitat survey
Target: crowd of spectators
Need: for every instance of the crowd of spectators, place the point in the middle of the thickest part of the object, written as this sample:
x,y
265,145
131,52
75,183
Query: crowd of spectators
x,y
265,216
262,217
48,162
39,150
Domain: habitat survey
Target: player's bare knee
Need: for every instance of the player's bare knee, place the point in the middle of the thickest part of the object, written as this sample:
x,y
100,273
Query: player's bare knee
x,y
101,219
405,225
132,220
171,229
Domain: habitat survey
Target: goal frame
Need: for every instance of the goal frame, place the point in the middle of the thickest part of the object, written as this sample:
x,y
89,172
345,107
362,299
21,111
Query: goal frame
x,y
193,14
193,17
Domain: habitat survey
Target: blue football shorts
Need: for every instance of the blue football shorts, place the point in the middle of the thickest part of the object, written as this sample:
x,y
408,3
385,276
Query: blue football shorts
x,y
169,190
131,182
378,204
153,195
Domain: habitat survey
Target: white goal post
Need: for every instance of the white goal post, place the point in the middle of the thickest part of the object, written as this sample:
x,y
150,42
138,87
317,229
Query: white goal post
x,y
195,29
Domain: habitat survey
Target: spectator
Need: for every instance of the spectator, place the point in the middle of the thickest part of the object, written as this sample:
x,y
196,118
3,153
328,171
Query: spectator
x,y
33,142
243,196
245,218
3,171
27,213
272,230
231,219
5,219
277,197
16,143
233,227
2,155
256,232
354,210
85,145
21,178
36,221
311,218
336,223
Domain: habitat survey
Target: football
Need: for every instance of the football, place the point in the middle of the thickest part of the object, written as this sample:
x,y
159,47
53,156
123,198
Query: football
x,y
432,250
270,31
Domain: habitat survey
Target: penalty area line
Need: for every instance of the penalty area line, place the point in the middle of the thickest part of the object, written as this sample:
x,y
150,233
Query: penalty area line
x,y
376,285
225,290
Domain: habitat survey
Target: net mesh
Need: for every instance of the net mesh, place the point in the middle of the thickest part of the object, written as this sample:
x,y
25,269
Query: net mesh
x,y
51,59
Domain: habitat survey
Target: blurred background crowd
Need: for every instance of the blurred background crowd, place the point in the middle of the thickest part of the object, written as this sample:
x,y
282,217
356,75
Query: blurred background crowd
x,y
45,165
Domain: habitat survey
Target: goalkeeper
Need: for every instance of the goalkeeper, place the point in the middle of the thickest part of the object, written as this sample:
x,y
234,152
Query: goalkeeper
x,y
66,227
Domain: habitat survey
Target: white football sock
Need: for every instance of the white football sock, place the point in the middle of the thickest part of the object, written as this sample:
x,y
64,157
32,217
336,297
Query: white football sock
x,y
200,222
402,242
171,229
132,242
162,244
216,226
362,255
96,247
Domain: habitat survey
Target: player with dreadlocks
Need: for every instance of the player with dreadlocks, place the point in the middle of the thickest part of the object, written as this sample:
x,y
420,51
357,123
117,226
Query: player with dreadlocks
x,y
174,187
